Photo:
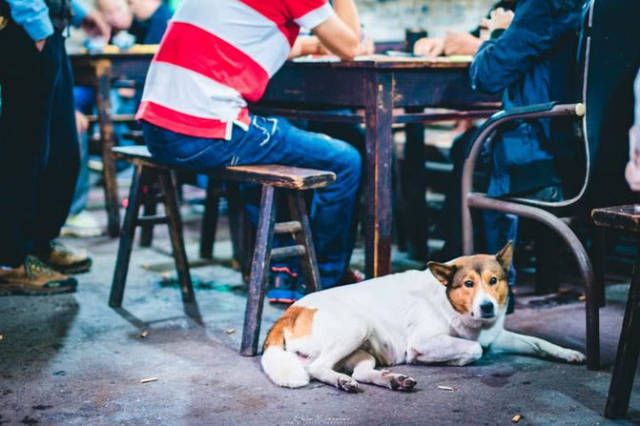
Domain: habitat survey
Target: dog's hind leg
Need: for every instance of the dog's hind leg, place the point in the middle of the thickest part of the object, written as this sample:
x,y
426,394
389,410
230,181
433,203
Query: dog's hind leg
x,y
363,366
323,367
444,349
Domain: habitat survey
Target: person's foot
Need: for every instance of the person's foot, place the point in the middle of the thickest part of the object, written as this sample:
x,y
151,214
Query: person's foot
x,y
283,286
66,260
33,278
81,225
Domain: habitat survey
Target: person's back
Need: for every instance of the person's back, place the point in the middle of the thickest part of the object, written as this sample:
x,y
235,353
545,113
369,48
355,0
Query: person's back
x,y
216,56
533,61
214,59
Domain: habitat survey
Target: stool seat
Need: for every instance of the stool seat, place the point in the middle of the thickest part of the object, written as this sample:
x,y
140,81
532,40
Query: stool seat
x,y
267,174
625,217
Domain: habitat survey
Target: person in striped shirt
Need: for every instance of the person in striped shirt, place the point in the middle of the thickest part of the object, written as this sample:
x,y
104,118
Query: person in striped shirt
x,y
215,58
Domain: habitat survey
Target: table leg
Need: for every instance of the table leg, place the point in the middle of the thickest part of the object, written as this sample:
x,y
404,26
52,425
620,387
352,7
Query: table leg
x,y
379,145
103,101
627,356
413,189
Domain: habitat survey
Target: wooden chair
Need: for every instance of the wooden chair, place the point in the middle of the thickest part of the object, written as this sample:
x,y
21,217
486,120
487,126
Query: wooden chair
x,y
610,59
626,218
289,181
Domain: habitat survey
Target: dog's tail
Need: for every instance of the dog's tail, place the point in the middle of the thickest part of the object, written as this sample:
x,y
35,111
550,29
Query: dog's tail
x,y
282,367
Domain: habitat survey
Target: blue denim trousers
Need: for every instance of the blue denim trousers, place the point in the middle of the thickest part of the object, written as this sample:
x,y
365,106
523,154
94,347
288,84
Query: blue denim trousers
x,y
276,141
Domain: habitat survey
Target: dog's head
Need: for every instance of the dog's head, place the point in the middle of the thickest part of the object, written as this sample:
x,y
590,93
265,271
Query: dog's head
x,y
476,285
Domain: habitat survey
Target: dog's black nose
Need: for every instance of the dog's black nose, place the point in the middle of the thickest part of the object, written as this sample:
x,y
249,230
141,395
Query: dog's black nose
x,y
486,309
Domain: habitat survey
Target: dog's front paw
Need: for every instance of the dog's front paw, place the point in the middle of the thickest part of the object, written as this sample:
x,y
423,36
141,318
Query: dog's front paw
x,y
573,357
347,384
402,383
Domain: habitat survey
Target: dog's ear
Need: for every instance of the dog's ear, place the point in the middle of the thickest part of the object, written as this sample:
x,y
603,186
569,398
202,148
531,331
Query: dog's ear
x,y
505,255
443,272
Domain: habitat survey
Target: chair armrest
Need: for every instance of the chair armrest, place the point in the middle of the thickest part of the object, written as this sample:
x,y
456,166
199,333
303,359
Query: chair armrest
x,y
546,110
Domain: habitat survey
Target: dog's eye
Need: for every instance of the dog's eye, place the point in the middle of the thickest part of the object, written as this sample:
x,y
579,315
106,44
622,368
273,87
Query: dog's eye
x,y
468,283
493,280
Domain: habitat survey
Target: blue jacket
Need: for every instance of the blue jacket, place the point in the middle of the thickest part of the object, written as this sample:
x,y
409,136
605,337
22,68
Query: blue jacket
x,y
533,61
33,16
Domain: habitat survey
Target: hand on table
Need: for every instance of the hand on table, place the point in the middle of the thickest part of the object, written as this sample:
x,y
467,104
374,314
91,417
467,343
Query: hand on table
x,y
429,46
366,47
461,43
96,26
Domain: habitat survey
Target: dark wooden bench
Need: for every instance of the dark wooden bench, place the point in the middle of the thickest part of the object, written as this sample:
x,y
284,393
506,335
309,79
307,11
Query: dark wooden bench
x,y
289,181
625,218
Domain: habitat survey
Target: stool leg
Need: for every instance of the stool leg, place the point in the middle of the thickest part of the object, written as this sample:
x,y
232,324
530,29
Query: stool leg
x,y
598,252
168,184
298,209
259,272
627,356
210,220
126,240
150,209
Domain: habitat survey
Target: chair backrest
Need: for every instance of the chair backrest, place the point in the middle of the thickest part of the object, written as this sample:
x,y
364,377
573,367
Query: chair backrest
x,y
611,42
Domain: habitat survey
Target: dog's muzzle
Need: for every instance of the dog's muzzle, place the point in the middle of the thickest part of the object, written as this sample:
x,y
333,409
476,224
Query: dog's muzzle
x,y
487,310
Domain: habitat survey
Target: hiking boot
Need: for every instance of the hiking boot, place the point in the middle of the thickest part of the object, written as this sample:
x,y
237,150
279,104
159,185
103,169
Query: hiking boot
x,y
65,260
33,278
283,286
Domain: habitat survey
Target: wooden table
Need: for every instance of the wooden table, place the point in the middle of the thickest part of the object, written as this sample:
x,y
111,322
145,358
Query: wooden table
x,y
385,91
375,87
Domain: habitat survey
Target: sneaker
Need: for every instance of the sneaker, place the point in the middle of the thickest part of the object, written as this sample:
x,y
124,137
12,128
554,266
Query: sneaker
x,y
82,225
65,260
283,286
34,277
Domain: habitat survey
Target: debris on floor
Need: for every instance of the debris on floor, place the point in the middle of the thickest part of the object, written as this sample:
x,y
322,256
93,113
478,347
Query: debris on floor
x,y
447,388
149,380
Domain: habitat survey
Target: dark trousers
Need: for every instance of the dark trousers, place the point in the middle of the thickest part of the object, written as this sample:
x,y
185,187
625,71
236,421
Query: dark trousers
x,y
39,150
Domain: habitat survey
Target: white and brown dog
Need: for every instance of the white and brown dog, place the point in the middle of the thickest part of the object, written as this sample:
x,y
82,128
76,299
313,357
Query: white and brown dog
x,y
446,314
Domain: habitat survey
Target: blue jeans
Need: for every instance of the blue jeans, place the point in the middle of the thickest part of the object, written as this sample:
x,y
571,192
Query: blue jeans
x,y
276,141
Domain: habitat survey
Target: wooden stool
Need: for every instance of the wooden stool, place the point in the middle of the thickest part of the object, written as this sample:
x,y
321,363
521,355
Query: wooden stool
x,y
625,218
290,181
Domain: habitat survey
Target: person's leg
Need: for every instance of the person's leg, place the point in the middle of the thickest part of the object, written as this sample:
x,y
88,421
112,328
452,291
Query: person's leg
x,y
60,172
81,191
27,77
276,141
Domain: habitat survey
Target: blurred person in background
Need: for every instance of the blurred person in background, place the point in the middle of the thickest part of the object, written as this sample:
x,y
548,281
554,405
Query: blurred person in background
x,y
80,222
151,19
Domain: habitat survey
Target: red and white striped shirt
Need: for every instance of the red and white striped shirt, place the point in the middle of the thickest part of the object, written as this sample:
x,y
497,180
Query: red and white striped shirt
x,y
218,54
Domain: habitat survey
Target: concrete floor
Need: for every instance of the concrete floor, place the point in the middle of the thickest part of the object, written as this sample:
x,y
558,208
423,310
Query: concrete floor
x,y
70,359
